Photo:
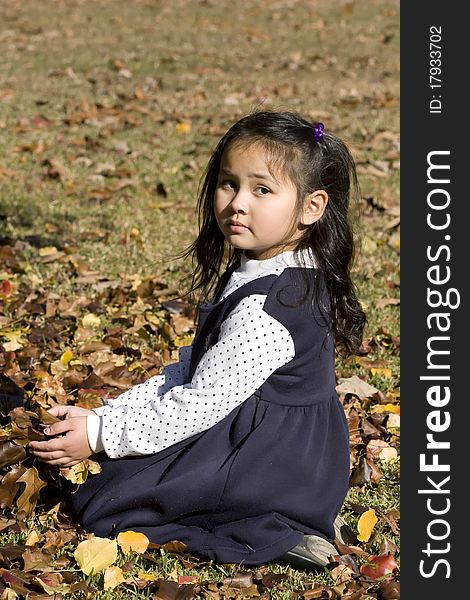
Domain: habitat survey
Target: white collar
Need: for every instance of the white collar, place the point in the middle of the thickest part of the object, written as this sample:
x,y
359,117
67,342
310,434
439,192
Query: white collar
x,y
250,267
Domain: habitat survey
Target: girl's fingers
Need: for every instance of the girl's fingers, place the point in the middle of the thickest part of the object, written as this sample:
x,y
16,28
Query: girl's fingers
x,y
59,411
47,446
49,456
59,427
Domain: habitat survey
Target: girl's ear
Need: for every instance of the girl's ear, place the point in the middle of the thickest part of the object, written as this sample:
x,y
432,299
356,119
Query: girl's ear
x,y
314,207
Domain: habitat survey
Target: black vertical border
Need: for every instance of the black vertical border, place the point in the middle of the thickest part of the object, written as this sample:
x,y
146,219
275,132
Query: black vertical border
x,y
423,132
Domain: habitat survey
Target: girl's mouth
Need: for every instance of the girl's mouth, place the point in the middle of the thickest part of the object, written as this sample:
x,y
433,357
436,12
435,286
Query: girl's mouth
x,y
236,227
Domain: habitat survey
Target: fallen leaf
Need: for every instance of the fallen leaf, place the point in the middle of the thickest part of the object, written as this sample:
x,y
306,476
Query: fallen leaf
x,y
378,566
387,302
26,502
113,577
366,524
133,541
362,473
95,554
52,584
79,472
183,128
66,357
380,408
11,453
381,371
355,385
342,574
390,590
33,538
36,560
388,454
91,320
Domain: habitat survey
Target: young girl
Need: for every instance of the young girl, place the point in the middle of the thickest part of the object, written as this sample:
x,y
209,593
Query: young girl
x,y
240,450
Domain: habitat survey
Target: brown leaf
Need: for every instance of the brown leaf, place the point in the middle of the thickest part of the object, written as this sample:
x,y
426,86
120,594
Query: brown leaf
x,y
167,590
17,581
9,486
388,547
11,453
10,553
5,524
36,560
26,502
355,385
316,592
387,302
239,581
361,473
391,518
390,590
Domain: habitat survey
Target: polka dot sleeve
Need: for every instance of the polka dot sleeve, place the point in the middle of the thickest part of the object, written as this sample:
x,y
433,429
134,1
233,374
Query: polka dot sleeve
x,y
251,346
173,375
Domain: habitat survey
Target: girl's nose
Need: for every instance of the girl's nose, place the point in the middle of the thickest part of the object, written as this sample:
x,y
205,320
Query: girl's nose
x,y
239,202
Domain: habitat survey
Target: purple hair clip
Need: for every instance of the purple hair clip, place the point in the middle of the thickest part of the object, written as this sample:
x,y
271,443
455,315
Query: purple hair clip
x,y
318,129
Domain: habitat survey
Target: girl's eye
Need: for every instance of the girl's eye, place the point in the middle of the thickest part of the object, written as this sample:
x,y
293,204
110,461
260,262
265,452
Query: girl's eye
x,y
228,184
260,189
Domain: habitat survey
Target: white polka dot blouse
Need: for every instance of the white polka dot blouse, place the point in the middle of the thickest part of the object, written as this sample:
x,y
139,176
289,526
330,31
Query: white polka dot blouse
x,y
154,415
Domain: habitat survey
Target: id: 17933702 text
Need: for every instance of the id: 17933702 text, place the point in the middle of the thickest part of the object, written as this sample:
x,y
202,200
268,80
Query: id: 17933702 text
x,y
435,69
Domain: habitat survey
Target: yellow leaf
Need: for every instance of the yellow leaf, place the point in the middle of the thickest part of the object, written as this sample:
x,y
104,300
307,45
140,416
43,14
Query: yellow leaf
x,y
113,577
133,541
95,554
380,408
183,128
381,371
148,576
33,538
15,340
48,251
366,524
66,357
91,320
79,472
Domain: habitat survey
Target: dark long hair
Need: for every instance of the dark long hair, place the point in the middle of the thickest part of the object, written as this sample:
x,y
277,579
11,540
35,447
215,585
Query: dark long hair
x,y
311,165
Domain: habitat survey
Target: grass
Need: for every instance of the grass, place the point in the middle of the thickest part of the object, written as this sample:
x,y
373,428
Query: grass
x,y
94,160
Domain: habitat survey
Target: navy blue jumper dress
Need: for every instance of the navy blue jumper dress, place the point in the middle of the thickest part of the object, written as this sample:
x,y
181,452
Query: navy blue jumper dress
x,y
247,489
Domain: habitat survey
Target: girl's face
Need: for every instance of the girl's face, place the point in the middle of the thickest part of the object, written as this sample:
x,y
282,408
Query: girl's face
x,y
255,209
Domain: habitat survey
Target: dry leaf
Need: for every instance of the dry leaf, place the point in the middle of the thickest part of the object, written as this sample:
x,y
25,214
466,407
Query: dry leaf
x,y
355,385
91,320
183,128
380,408
378,566
27,501
95,554
366,524
133,541
113,577
79,472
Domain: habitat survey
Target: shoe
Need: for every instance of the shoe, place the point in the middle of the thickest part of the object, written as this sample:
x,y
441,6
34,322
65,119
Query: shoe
x,y
344,533
311,554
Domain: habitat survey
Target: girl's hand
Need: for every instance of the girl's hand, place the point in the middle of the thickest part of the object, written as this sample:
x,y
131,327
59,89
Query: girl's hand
x,y
71,446
69,411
